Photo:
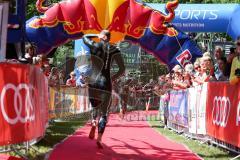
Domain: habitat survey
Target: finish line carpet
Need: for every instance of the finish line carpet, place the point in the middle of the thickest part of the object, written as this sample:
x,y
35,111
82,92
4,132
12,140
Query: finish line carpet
x,y
128,139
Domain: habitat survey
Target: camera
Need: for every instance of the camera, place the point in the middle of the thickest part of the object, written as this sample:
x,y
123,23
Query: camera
x,y
237,72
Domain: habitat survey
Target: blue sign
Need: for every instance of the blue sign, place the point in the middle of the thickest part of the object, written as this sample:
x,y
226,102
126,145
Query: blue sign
x,y
82,54
206,17
81,49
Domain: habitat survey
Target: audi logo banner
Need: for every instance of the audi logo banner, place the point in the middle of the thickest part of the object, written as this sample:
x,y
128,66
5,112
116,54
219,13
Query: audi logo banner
x,y
23,103
223,106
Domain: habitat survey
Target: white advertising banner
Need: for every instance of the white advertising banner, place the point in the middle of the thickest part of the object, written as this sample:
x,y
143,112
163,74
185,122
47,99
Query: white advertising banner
x,y
201,108
197,99
192,122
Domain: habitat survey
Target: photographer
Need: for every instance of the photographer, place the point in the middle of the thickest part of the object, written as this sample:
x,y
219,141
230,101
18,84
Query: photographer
x,y
235,69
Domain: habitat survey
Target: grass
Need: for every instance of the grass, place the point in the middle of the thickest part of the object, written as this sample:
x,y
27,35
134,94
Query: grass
x,y
55,133
59,130
207,152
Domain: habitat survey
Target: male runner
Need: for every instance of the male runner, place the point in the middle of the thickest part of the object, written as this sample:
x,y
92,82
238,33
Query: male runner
x,y
100,87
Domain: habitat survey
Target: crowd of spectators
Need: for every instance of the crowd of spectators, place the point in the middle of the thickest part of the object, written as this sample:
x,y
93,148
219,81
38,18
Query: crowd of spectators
x,y
218,67
210,67
56,76
205,69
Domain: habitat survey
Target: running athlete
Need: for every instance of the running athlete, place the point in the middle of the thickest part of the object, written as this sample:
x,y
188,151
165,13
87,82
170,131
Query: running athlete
x,y
100,86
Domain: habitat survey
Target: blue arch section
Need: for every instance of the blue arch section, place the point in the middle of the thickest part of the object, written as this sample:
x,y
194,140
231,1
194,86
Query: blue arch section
x,y
206,17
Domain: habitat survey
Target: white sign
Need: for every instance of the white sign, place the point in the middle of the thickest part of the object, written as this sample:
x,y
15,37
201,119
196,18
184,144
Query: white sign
x,y
3,29
197,100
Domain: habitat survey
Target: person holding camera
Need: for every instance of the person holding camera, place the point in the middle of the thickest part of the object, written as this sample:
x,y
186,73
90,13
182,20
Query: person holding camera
x,y
235,69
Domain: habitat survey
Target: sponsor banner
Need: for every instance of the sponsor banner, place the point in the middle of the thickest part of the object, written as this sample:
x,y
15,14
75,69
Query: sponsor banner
x,y
23,103
197,98
67,101
192,121
223,112
178,108
205,17
161,107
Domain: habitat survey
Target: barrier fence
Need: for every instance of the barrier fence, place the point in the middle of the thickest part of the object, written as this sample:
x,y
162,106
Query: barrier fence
x,y
210,111
23,105
27,104
67,102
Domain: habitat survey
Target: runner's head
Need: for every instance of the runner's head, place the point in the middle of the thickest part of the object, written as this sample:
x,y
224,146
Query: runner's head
x,y
105,35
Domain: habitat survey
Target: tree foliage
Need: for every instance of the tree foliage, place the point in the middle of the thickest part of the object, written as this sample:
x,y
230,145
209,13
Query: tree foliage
x,y
31,8
63,51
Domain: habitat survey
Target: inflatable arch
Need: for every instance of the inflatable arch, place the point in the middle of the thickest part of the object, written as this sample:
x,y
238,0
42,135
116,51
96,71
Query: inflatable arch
x,y
125,19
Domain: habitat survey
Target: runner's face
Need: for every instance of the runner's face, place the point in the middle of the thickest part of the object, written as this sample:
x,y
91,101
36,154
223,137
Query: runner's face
x,y
103,37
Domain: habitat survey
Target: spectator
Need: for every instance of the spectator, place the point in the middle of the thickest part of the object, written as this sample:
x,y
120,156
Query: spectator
x,y
189,68
53,79
221,73
230,57
61,77
40,60
82,81
168,78
187,80
178,80
197,68
46,70
71,81
207,54
166,99
148,90
30,51
218,53
206,73
235,69
176,68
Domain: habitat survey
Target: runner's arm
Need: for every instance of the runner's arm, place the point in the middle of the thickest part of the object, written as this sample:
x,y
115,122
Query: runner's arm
x,y
89,42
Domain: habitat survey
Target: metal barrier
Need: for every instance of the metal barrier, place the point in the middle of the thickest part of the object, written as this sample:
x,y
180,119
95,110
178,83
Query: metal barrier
x,y
201,110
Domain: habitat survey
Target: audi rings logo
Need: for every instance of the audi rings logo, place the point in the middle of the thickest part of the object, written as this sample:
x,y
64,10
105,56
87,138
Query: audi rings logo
x,y
221,111
22,110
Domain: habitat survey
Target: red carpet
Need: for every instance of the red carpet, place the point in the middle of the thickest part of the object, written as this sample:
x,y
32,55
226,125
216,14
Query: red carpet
x,y
127,139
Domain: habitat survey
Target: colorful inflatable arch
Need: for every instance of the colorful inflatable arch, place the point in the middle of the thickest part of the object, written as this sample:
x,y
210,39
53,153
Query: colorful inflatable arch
x,y
125,19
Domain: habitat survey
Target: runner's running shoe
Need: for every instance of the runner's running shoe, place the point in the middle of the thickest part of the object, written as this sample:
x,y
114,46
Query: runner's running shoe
x,y
93,129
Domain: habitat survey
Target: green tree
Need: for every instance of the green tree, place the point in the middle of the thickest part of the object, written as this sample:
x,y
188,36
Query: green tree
x,y
63,51
31,7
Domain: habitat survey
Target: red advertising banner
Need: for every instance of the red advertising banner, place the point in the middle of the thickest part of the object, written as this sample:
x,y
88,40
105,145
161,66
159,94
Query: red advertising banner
x,y
223,112
23,103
